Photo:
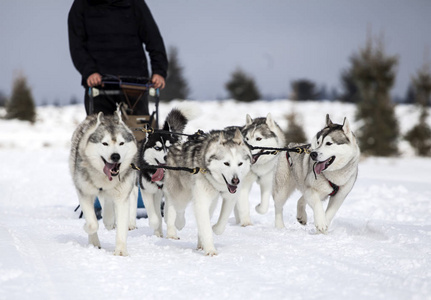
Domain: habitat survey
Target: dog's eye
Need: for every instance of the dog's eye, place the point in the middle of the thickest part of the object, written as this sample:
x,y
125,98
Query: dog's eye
x,y
157,148
240,164
259,139
122,143
227,164
328,143
105,144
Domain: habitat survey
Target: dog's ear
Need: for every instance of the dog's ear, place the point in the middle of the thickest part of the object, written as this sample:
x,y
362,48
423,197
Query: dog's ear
x,y
117,116
248,120
328,121
221,139
238,137
269,121
100,118
346,127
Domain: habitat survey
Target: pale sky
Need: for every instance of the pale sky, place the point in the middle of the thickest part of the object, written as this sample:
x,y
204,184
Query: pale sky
x,y
275,41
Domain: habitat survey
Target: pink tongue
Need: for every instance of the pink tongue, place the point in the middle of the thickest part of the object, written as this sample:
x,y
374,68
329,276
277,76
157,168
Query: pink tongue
x,y
107,170
319,167
160,173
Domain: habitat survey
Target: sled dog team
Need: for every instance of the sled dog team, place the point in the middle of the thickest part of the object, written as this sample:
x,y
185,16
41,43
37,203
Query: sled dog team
x,y
202,167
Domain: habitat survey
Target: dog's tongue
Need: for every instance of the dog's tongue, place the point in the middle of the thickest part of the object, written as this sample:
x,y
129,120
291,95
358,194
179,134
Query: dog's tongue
x,y
107,170
158,175
232,188
319,167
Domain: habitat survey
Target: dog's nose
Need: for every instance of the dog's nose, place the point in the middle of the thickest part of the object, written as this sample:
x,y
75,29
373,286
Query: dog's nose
x,y
235,180
115,157
313,155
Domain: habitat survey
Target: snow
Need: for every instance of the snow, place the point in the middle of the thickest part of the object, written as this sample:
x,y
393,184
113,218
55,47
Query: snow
x,y
378,246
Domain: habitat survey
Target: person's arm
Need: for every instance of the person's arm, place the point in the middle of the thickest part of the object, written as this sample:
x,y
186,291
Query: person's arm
x,y
150,35
82,60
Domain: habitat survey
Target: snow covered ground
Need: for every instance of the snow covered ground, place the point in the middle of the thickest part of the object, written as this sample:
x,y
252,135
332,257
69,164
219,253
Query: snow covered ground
x,y
378,247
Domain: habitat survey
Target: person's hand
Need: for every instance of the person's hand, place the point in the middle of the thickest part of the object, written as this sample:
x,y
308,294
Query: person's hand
x,y
94,79
158,81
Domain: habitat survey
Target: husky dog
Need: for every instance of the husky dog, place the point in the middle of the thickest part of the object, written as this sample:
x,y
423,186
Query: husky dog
x,y
103,148
225,160
152,152
329,171
262,132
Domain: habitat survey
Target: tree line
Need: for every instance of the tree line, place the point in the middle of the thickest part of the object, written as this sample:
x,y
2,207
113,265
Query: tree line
x,y
366,82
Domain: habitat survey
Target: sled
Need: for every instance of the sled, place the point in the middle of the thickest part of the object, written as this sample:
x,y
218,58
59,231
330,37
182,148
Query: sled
x,y
129,86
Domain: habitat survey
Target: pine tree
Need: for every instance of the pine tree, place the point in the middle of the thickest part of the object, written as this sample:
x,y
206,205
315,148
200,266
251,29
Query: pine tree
x,y
304,90
176,84
294,132
21,105
420,135
374,75
242,87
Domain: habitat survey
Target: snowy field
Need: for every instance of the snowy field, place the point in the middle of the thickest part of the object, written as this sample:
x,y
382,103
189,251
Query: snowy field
x,y
378,246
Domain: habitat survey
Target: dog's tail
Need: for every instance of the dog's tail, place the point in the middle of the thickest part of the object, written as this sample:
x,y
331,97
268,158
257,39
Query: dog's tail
x,y
178,117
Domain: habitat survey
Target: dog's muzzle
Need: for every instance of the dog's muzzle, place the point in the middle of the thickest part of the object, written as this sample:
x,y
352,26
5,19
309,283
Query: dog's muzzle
x,y
112,169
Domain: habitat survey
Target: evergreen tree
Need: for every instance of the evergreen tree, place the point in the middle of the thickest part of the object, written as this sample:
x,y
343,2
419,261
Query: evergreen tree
x,y
3,99
176,84
21,105
304,90
242,87
294,132
374,74
350,89
420,135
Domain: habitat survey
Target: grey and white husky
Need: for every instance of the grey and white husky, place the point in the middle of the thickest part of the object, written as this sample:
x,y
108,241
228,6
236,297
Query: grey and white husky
x,y
225,160
330,171
259,132
153,152
102,149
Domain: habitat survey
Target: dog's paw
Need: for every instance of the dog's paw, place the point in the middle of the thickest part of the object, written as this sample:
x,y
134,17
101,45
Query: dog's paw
x,y
322,228
158,233
218,229
261,209
246,223
172,237
110,226
210,252
302,218
121,252
93,239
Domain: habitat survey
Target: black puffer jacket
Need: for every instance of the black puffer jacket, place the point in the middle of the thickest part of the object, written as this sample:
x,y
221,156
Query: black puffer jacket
x,y
106,36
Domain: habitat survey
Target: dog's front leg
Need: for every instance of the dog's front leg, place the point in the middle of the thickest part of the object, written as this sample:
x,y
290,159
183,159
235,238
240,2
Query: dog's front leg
x,y
265,183
91,225
226,209
335,201
153,218
122,217
133,207
315,203
202,203
242,207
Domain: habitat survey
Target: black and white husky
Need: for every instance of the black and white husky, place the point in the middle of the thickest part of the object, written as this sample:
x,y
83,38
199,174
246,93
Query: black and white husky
x,y
153,152
329,171
225,159
259,132
102,150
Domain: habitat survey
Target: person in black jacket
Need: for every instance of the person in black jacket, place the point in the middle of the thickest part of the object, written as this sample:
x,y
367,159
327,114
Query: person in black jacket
x,y
107,37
